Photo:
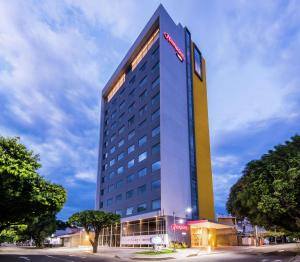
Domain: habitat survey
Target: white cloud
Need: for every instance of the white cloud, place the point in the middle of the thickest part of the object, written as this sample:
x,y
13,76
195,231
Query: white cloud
x,y
88,176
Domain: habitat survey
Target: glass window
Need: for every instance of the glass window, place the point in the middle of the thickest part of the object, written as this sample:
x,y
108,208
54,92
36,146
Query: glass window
x,y
101,204
132,80
129,194
113,114
109,202
155,166
131,121
121,129
142,172
102,192
155,204
103,179
155,184
130,178
111,175
143,67
104,167
130,163
141,207
112,162
130,149
155,115
141,189
131,134
131,108
155,66
143,96
113,125
156,148
197,62
155,82
129,211
155,52
121,156
121,106
110,188
119,184
143,110
143,81
121,143
155,99
112,150
120,170
142,156
119,198
143,123
121,116
155,131
119,212
104,156
143,141
131,92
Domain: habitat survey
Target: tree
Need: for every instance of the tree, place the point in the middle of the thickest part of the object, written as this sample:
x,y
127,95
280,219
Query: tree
x,y
268,193
24,194
94,221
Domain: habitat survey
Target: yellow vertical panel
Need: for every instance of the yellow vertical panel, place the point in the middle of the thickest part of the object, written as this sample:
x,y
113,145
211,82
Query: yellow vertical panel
x,y
203,159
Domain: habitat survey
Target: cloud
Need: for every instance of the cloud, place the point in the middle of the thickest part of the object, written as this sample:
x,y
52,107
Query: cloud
x,y
88,176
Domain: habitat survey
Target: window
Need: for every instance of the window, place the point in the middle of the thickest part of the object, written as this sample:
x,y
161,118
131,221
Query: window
x,y
143,67
155,82
121,143
119,198
130,163
142,172
104,156
131,108
155,99
101,204
121,106
112,150
155,148
143,110
104,167
141,207
105,122
130,178
102,192
119,212
155,52
131,121
110,188
121,156
109,202
111,175
142,156
155,66
105,144
120,170
121,116
113,114
121,129
143,81
143,96
112,162
130,149
103,179
155,166
155,131
155,115
129,194
197,62
155,184
119,184
132,80
131,92
141,189
143,141
113,125
131,134
142,124
129,211
155,204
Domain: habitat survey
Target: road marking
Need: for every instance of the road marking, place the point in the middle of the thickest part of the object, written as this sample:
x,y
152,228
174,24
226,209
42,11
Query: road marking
x,y
26,258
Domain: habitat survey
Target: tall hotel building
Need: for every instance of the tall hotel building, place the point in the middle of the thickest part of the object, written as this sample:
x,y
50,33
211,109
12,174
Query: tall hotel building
x,y
154,154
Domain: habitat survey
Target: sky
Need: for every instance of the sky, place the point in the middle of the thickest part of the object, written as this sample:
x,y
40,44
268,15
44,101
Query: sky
x,y
56,56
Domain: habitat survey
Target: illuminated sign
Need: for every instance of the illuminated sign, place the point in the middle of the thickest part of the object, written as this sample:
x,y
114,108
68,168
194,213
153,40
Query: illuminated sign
x,y
179,53
178,227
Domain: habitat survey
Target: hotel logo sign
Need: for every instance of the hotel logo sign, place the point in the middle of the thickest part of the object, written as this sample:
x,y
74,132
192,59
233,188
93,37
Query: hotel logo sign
x,y
179,53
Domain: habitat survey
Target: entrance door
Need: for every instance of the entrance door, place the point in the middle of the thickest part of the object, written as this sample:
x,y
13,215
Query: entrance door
x,y
196,237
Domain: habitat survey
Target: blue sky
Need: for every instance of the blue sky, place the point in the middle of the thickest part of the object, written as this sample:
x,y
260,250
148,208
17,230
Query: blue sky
x,y
56,56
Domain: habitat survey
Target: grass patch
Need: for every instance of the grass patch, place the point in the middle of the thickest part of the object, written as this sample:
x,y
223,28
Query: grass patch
x,y
159,252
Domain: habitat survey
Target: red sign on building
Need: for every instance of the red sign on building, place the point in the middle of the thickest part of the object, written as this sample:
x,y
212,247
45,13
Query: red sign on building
x,y
179,53
179,227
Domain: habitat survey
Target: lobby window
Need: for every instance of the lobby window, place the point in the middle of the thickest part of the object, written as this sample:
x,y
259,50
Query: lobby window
x,y
143,81
131,134
142,156
110,188
129,211
143,110
112,162
143,141
130,178
131,121
119,212
130,149
109,202
141,190
155,99
143,96
131,108
155,131
197,62
112,150
155,204
156,66
120,170
121,156
155,83
129,194
130,163
155,184
119,198
121,129
141,207
155,148
119,184
121,143
155,166
155,115
142,172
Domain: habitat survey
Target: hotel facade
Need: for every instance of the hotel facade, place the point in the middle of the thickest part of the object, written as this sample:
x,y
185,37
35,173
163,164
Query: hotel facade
x,y
154,152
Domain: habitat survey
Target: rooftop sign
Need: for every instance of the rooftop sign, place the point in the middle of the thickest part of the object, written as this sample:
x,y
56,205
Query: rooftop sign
x,y
179,53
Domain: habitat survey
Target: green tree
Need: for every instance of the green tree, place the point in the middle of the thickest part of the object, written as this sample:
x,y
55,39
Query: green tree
x,y
24,194
268,193
94,221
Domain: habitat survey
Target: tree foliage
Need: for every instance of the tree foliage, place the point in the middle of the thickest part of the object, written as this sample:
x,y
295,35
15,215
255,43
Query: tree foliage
x,y
94,221
24,194
268,193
